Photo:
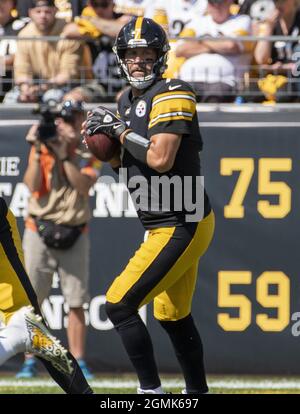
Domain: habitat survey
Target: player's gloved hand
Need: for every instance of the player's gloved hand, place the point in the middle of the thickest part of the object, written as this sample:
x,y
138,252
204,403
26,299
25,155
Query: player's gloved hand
x,y
101,120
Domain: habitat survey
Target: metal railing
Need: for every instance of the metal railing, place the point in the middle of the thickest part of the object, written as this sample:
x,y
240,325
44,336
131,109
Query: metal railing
x,y
245,85
246,38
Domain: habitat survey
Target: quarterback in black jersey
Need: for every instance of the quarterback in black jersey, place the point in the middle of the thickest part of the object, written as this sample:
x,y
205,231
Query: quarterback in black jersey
x,y
158,128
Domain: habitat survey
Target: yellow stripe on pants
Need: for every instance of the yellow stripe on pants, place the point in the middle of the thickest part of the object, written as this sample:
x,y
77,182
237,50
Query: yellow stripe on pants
x,y
12,293
173,291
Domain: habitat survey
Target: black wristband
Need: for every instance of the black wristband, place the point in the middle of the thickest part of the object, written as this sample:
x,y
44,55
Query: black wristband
x,y
137,146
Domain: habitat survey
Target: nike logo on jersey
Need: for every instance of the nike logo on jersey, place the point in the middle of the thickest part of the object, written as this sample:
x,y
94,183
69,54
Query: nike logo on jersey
x,y
171,88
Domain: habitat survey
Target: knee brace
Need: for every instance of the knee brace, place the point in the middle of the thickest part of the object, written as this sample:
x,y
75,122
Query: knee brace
x,y
119,312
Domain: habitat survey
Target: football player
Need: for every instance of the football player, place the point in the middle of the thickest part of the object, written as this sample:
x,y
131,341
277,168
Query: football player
x,y
158,128
21,326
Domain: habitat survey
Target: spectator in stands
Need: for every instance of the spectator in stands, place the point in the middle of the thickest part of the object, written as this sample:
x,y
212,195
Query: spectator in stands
x,y
77,7
59,175
96,19
280,58
66,8
100,23
174,16
177,14
214,67
258,10
9,26
40,65
146,8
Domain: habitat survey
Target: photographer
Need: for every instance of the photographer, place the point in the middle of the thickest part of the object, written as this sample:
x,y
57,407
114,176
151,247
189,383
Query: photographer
x,y
59,175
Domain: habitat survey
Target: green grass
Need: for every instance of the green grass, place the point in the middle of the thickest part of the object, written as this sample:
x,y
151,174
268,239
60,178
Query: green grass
x,y
126,384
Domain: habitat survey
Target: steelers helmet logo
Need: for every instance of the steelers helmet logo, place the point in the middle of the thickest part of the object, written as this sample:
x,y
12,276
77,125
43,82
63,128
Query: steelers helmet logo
x,y
141,109
107,119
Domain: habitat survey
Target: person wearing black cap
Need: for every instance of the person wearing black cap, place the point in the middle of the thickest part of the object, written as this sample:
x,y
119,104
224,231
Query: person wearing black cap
x,y
40,65
24,5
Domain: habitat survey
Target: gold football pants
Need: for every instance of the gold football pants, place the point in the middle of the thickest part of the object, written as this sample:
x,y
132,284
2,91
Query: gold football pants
x,y
15,288
164,269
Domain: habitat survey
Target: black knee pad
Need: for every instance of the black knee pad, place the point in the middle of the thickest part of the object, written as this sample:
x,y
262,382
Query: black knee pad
x,y
119,312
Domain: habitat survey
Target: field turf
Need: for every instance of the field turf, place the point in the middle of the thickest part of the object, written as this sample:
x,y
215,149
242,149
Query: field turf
x,y
126,384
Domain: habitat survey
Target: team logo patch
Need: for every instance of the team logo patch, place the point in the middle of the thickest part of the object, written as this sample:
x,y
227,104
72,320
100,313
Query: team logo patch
x,y
107,119
141,109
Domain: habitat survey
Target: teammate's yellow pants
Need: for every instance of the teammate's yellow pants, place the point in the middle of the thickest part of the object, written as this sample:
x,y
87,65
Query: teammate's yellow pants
x,y
15,288
165,269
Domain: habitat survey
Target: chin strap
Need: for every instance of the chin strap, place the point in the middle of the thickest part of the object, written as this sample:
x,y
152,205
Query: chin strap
x,y
137,83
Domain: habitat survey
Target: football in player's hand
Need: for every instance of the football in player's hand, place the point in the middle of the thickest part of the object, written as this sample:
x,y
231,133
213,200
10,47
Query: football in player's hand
x,y
102,146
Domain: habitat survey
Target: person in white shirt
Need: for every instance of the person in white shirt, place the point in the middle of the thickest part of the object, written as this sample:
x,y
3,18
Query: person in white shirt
x,y
216,67
180,13
174,16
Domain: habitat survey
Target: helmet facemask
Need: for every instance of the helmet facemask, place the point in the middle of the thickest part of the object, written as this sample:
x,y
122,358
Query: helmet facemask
x,y
142,32
142,82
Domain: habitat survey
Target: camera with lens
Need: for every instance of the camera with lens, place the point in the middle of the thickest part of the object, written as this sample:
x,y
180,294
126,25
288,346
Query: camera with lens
x,y
51,110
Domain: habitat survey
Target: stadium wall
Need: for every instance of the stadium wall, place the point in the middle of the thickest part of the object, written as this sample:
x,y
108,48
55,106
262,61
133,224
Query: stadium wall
x,y
247,302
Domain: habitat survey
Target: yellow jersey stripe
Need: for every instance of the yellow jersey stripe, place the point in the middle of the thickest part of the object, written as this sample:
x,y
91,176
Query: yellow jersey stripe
x,y
177,96
178,91
247,46
241,32
170,114
138,28
175,116
183,106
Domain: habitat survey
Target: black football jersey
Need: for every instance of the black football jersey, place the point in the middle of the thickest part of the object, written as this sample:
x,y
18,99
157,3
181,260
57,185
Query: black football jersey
x,y
167,106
